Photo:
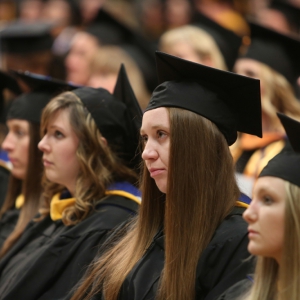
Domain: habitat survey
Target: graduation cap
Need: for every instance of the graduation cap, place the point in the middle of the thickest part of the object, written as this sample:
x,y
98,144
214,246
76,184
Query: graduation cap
x,y
110,31
118,116
29,106
290,11
286,164
22,38
229,100
292,129
278,51
124,92
7,82
228,42
38,82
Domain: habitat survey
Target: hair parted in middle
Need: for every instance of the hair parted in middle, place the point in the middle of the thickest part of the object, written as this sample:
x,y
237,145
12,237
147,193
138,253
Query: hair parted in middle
x,y
29,187
99,166
198,151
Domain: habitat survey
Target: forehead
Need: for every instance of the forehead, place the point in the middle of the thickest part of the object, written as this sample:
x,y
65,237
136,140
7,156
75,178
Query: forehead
x,y
270,183
17,122
61,116
155,118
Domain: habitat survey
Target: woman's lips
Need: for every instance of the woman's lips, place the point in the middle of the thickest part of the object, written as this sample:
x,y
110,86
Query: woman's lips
x,y
252,233
47,163
12,160
155,172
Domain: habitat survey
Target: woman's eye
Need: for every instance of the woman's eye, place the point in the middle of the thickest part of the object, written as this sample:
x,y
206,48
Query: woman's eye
x,y
20,133
267,200
161,134
58,134
144,139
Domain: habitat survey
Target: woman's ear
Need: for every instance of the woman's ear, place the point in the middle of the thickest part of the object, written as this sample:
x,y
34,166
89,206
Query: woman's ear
x,y
103,139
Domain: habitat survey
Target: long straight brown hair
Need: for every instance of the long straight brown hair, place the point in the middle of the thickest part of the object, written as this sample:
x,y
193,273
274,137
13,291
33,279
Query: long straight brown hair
x,y
201,192
30,187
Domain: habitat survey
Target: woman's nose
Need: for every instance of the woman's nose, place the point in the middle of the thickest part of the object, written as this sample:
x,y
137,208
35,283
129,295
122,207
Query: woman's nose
x,y
149,152
8,144
250,214
42,145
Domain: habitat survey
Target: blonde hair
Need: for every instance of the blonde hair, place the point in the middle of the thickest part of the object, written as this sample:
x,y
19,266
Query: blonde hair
x,y
202,43
99,167
108,59
278,96
191,202
272,281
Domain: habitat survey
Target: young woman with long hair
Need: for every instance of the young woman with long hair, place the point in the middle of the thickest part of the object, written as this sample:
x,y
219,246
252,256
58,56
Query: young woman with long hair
x,y
274,227
9,88
88,138
24,189
278,73
189,239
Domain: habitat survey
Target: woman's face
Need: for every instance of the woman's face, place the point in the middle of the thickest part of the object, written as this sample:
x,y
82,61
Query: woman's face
x,y
59,146
155,133
265,217
250,68
16,143
78,61
185,50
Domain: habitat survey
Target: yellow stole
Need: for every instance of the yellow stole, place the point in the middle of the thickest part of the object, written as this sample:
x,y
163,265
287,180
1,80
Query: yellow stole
x,y
57,205
241,204
19,201
267,147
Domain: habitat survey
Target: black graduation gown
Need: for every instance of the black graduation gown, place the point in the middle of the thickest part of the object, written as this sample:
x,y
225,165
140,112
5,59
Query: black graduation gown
x,y
220,266
4,178
51,258
237,291
7,223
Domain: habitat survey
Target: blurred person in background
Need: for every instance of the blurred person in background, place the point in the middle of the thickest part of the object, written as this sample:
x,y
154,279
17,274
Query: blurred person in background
x,y
105,67
204,41
274,59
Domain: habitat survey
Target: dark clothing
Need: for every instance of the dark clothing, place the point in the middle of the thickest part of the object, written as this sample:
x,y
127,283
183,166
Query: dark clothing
x,y
8,223
237,291
50,258
4,178
9,220
220,266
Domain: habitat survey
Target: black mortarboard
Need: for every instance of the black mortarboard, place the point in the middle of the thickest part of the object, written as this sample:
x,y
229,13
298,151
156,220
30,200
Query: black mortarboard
x,y
229,100
123,92
29,106
286,164
290,11
278,51
292,129
10,83
117,116
110,31
21,37
111,117
228,42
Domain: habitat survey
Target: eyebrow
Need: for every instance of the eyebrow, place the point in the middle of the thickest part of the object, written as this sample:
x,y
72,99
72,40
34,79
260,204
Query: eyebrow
x,y
55,126
155,127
